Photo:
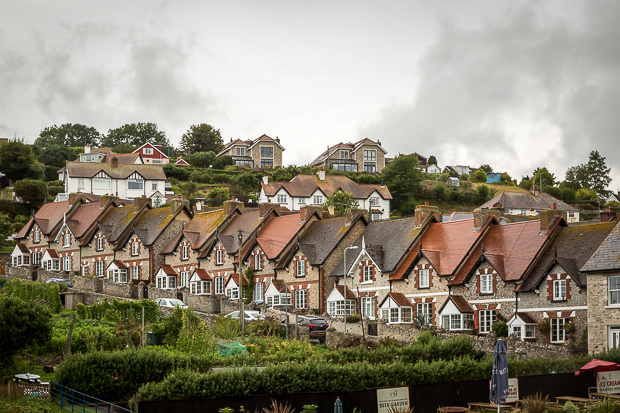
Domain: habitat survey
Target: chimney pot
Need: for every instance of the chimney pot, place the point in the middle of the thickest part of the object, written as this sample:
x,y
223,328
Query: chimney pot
x,y
265,207
114,162
87,149
229,206
480,216
426,203
424,211
554,206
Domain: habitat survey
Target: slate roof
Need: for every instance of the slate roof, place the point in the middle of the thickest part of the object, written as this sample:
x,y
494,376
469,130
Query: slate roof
x,y
510,249
23,248
350,146
572,247
122,171
265,138
233,143
123,158
149,225
248,223
117,220
304,185
526,200
386,243
323,236
202,226
47,218
607,255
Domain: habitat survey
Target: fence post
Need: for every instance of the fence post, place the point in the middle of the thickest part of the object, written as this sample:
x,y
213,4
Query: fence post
x,y
72,400
83,403
9,383
61,397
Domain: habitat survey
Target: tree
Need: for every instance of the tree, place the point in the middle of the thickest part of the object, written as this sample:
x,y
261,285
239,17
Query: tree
x,y
68,135
124,148
598,173
32,192
526,183
483,194
201,138
6,228
217,196
201,159
341,201
176,172
17,161
432,160
222,162
486,168
188,188
440,191
553,191
548,179
403,178
23,325
368,179
576,177
56,155
479,176
245,182
136,135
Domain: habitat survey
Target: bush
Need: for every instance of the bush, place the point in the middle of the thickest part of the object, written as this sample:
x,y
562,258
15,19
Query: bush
x,y
368,179
500,329
464,177
222,162
440,191
553,191
40,293
479,176
119,310
55,190
173,171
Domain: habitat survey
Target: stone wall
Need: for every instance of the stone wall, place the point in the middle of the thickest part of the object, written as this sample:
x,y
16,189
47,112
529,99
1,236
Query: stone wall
x,y
601,316
87,284
5,258
203,303
119,290
25,273
155,293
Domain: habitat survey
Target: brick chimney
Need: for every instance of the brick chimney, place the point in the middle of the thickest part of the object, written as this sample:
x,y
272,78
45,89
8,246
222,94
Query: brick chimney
x,y
351,213
105,199
277,139
143,200
321,174
424,211
609,215
75,197
229,206
548,215
307,210
481,215
114,162
265,207
177,204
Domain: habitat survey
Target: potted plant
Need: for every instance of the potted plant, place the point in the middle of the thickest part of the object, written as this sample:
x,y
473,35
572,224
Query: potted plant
x,y
544,327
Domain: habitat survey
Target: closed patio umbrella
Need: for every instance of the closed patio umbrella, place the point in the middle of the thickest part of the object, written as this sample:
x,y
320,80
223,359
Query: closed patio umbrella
x,y
499,375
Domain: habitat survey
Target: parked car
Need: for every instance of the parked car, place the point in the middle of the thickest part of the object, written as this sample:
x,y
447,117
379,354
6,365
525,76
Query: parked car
x,y
170,303
59,281
248,315
317,326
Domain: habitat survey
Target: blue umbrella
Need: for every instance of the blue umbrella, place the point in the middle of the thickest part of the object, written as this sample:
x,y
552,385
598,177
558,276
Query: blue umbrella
x,y
499,376
338,406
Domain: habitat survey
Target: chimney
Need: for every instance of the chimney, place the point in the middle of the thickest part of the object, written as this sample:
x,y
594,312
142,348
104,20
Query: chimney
x,y
158,147
198,205
351,213
105,199
266,179
330,209
75,197
87,149
229,206
481,216
609,215
321,174
307,210
277,139
554,206
547,216
379,143
114,162
264,208
382,184
143,200
177,204
424,211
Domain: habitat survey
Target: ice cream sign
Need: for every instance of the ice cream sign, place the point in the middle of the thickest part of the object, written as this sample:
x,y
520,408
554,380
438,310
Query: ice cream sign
x,y
608,381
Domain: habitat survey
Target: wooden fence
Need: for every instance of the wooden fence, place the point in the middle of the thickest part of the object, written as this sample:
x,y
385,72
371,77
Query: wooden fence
x,y
24,390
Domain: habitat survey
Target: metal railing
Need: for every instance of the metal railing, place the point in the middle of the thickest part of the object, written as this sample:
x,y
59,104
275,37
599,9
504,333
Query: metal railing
x,y
74,401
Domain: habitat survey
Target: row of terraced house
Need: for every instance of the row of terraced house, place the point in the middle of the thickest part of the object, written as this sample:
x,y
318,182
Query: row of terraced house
x,y
465,275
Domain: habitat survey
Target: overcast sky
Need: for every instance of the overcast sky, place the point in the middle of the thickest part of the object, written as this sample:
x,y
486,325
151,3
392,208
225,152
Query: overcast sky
x,y
509,83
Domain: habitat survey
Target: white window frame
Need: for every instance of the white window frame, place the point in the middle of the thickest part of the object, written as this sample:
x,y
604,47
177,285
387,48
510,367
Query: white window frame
x,y
613,285
374,201
205,287
557,333
367,271
99,268
139,183
258,262
232,293
36,258
135,272
301,201
282,199
516,330
66,240
424,278
219,257
344,154
26,259
84,269
614,337
368,307
317,200
486,283
301,298
154,186
135,248
300,268
99,243
240,151
147,151
530,331
37,236
185,252
336,308
102,183
219,285
118,275
258,291
184,279
262,155
425,309
66,263
559,290
370,155
486,319
80,184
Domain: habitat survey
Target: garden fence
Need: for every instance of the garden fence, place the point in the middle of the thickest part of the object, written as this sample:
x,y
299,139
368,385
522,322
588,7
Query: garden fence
x,y
73,401
24,390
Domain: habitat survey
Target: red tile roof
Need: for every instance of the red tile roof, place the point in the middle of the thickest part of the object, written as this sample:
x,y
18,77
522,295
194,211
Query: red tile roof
x,y
235,277
399,299
119,264
278,233
49,216
203,274
350,294
168,269
83,218
304,185
461,303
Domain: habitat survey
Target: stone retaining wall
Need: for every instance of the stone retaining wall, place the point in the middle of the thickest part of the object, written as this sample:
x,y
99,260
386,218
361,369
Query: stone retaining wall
x,y
119,290
25,273
204,303
5,258
155,293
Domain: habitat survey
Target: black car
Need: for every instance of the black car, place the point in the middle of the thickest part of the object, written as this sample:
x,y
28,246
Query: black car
x,y
317,326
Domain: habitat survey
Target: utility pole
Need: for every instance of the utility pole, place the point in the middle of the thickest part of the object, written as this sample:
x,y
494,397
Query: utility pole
x,y
241,315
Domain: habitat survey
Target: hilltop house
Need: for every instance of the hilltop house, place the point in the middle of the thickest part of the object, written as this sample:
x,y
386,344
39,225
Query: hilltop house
x,y
309,189
362,156
526,203
262,152
152,154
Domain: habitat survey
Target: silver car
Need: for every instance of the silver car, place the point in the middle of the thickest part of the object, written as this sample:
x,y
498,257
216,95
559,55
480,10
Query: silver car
x,y
170,303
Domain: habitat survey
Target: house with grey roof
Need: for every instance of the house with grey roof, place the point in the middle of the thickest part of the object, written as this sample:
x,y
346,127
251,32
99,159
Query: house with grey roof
x,y
526,203
362,156
602,271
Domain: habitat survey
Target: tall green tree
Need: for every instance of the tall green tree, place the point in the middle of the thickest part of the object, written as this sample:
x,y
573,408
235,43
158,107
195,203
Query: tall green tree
x,y
201,138
341,200
598,173
486,167
548,179
56,155
136,134
576,177
33,192
6,228
201,159
432,160
68,134
404,180
17,161
479,176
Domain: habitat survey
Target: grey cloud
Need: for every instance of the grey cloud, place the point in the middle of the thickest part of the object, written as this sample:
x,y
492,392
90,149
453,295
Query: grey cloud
x,y
481,90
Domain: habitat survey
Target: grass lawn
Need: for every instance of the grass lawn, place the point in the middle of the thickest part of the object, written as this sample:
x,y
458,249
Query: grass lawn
x,y
28,405
6,249
500,188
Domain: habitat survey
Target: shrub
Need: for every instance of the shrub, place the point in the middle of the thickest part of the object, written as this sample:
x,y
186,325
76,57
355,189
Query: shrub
x,y
569,407
46,294
222,162
119,310
500,329
173,171
479,176
354,319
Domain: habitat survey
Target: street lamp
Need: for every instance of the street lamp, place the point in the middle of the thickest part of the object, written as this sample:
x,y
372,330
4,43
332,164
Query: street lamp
x,y
353,247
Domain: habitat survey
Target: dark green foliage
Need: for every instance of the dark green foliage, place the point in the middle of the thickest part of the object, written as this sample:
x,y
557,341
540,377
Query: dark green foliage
x,y
188,188
55,190
464,177
68,135
136,135
23,324
483,194
440,191
547,178
281,175
28,405
40,293
479,176
32,192
118,375
246,182
56,155
403,178
222,162
6,229
176,172
341,201
201,159
525,183
88,335
553,191
50,173
118,310
368,179
7,207
172,324
19,162
500,329
432,160
201,138
217,196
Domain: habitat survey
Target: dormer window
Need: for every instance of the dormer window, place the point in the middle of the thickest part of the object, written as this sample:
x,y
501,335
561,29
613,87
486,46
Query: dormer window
x,y
100,244
240,151
301,268
424,278
67,240
135,248
486,284
258,262
147,151
367,273
37,236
